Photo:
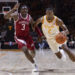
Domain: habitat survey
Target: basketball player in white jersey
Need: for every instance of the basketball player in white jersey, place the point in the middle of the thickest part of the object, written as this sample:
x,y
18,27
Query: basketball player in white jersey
x,y
50,28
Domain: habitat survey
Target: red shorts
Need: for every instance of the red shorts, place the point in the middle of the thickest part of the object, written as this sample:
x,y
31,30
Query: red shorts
x,y
25,41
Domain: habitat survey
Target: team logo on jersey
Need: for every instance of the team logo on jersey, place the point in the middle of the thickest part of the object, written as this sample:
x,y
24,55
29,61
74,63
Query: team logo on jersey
x,y
24,22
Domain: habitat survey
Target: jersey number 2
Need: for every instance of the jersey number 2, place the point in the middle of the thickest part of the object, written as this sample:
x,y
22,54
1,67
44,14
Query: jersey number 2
x,y
23,27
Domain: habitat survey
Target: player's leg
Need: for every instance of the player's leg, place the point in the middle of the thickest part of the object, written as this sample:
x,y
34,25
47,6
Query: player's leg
x,y
58,54
61,54
70,54
55,48
27,54
30,46
31,50
23,45
30,57
34,65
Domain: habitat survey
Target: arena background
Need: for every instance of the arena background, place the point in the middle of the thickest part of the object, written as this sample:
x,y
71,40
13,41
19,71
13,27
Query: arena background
x,y
13,60
64,9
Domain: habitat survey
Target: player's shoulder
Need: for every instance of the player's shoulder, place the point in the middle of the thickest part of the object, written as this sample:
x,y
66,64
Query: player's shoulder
x,y
58,21
42,18
57,18
30,17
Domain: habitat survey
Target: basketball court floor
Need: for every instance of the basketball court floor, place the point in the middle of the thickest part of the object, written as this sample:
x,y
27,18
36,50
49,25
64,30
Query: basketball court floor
x,y
15,63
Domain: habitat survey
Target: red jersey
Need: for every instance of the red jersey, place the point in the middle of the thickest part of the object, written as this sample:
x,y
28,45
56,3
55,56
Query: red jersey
x,y
22,26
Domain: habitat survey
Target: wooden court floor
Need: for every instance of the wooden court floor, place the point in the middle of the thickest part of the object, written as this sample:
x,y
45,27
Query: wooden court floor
x,y
14,62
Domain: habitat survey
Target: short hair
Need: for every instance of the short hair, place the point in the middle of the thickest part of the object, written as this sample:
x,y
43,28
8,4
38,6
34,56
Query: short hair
x,y
50,8
22,6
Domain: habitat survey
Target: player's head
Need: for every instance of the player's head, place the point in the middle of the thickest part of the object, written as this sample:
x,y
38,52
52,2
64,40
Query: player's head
x,y
49,11
24,9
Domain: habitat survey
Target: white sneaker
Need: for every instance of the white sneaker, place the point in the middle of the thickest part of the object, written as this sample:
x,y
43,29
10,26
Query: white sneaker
x,y
35,73
35,68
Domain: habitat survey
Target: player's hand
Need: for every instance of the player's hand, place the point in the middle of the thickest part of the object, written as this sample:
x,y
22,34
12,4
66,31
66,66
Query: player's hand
x,y
64,33
16,6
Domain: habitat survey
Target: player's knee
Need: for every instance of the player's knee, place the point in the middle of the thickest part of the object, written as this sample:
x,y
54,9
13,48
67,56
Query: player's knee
x,y
64,46
59,55
24,49
33,53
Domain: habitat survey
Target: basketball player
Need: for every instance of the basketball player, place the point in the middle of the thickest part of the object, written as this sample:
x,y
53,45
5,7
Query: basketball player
x,y
50,28
22,35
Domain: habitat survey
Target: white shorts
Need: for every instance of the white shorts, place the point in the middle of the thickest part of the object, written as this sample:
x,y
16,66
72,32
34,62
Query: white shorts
x,y
54,45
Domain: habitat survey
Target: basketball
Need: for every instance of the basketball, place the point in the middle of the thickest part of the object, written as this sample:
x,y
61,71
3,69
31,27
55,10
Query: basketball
x,y
60,38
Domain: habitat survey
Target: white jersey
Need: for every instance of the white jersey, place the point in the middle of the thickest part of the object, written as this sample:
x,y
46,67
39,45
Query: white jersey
x,y
50,29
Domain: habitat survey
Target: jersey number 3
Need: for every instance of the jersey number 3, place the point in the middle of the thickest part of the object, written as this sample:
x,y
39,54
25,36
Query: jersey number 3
x,y
23,27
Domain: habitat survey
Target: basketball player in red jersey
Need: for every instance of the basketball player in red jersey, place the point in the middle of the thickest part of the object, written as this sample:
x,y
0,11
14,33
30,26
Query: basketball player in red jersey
x,y
22,36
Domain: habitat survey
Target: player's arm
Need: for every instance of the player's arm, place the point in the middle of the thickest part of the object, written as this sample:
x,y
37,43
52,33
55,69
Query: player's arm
x,y
35,28
38,21
62,26
9,14
32,22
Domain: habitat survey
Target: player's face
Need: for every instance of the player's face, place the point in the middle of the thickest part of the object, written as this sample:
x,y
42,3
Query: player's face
x,y
49,13
24,11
